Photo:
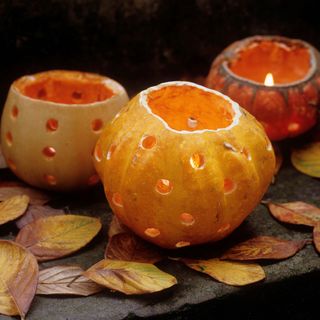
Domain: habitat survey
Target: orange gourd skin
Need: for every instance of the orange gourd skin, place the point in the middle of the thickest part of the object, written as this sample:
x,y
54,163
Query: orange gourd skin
x,y
284,111
201,205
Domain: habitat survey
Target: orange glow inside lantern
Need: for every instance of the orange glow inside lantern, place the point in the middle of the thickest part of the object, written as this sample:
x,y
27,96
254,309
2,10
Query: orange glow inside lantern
x,y
269,81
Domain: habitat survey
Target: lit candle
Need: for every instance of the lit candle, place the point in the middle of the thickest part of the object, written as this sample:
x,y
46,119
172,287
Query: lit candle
x,y
275,78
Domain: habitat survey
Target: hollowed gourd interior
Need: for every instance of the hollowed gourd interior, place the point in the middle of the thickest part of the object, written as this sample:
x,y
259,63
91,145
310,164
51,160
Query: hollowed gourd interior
x,y
64,87
190,108
288,62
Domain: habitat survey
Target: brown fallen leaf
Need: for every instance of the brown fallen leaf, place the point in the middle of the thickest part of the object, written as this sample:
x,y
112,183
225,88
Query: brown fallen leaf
x,y
297,212
316,236
66,280
57,236
116,227
129,247
3,163
36,196
264,247
130,277
307,159
18,279
228,272
13,208
35,212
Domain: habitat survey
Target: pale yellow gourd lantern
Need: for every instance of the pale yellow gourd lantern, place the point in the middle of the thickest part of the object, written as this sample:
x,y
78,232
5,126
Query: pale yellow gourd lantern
x,y
51,122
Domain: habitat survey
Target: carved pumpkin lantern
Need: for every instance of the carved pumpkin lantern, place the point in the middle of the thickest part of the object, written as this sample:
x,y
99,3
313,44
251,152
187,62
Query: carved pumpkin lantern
x,y
275,78
51,122
183,165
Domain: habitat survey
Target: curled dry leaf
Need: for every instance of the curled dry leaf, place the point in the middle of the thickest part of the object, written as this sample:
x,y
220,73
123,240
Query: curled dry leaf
x,y
130,277
35,212
13,208
264,247
129,247
316,236
57,236
297,212
18,279
307,159
228,272
116,227
8,190
66,280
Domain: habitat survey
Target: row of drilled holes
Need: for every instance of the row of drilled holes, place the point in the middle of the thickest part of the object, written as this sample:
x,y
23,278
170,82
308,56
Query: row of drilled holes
x,y
49,152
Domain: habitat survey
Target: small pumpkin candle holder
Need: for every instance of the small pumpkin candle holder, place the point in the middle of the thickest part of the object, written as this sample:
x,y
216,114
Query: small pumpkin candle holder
x,y
51,122
275,78
190,169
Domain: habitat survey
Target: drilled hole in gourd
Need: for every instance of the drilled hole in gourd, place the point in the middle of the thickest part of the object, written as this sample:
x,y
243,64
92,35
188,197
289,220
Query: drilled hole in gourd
x,y
9,138
111,151
98,153
77,95
42,93
224,228
164,186
152,232
94,179
197,161
192,122
187,219
97,125
49,152
50,179
14,112
52,125
246,153
148,142
117,199
293,127
12,165
229,186
181,244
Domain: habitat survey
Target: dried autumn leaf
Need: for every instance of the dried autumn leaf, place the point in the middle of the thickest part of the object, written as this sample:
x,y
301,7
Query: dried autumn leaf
x,y
13,208
307,159
66,280
296,212
57,236
116,227
316,236
264,247
129,247
36,196
130,277
228,272
35,212
18,279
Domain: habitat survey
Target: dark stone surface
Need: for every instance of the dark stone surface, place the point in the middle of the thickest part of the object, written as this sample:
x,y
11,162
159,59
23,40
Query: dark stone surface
x,y
291,288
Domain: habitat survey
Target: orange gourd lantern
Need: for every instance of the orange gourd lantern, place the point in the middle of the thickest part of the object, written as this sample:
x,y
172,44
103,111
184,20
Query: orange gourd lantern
x,y
287,107
183,165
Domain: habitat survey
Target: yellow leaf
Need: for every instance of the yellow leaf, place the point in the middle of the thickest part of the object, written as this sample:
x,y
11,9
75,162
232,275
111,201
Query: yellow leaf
x,y
130,277
307,159
57,236
228,272
18,279
13,208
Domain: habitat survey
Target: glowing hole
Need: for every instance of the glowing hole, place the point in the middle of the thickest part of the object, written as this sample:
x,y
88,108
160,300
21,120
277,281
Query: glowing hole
x,y
12,165
9,138
269,146
197,161
152,232
50,179
192,122
229,146
117,199
76,95
52,125
98,153
246,153
111,151
229,185
97,125
94,179
187,219
14,112
42,93
49,152
148,142
181,244
293,127
164,186
224,228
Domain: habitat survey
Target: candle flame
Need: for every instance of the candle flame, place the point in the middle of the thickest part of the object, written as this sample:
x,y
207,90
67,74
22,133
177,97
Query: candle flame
x,y
268,81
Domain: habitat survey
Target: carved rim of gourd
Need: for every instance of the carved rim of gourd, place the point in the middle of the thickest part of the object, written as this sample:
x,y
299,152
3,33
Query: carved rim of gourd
x,y
231,53
143,99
